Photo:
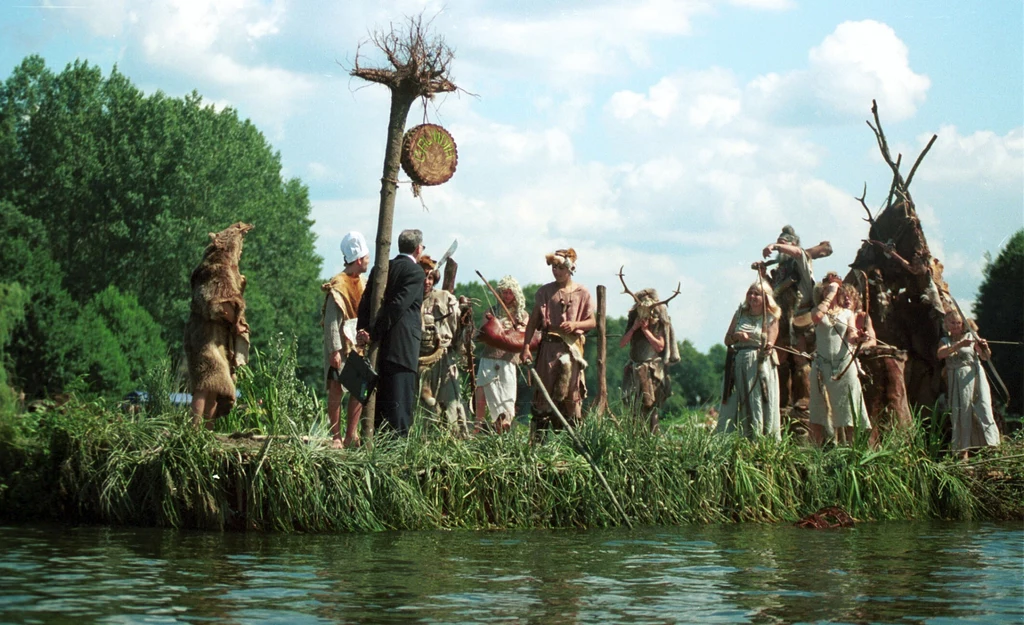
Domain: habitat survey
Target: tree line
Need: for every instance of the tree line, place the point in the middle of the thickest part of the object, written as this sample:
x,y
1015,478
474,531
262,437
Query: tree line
x,y
107,196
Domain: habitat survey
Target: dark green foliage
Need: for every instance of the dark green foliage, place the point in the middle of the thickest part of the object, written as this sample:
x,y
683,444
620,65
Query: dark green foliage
x,y
116,341
13,299
117,188
273,400
698,377
136,333
102,346
43,349
1000,315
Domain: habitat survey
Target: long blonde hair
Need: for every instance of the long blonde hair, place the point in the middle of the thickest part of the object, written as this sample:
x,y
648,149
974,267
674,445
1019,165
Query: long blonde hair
x,y
769,298
519,309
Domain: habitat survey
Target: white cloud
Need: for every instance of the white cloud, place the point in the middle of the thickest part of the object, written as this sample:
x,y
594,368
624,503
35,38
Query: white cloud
x,y
590,39
659,102
855,64
861,61
982,157
213,44
713,110
768,5
319,171
106,18
709,97
508,145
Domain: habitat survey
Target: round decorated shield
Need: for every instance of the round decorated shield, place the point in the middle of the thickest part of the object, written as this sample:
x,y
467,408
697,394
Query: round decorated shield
x,y
429,154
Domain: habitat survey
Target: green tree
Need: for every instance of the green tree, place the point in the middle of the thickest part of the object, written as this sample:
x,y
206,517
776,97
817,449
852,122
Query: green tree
x,y
1000,315
697,378
13,299
126,187
136,334
41,349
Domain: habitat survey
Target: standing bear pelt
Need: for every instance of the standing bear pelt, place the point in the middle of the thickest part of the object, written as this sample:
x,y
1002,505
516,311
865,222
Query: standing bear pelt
x,y
217,335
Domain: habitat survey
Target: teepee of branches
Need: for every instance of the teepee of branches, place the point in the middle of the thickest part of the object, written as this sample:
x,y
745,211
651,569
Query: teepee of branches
x,y
903,291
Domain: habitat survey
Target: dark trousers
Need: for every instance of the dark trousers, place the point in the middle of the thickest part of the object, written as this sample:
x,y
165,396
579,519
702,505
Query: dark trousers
x,y
396,398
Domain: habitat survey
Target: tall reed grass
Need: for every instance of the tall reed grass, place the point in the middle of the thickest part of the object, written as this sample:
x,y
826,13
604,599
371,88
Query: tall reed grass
x,y
89,462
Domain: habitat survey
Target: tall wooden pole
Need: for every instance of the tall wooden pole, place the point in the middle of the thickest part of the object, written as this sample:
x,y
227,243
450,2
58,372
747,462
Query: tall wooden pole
x,y
419,67
401,102
601,405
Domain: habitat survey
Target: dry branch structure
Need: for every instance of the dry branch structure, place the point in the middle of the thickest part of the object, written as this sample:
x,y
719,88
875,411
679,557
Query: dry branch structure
x,y
902,289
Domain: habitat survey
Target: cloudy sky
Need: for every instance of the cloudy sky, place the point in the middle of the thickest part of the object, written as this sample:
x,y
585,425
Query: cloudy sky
x,y
674,137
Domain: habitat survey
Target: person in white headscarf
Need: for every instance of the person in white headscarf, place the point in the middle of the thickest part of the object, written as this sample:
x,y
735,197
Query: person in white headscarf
x,y
338,316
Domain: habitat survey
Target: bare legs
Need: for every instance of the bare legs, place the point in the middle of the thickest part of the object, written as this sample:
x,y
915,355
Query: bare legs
x,y
204,409
354,411
502,424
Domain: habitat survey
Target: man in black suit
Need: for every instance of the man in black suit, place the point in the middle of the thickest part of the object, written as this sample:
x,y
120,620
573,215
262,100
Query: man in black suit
x,y
398,332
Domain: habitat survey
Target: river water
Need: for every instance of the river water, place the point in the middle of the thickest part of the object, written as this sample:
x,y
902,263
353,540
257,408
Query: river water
x,y
922,572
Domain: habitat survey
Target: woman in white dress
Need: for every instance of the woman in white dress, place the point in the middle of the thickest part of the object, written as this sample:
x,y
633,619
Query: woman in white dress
x,y
967,390
837,400
750,400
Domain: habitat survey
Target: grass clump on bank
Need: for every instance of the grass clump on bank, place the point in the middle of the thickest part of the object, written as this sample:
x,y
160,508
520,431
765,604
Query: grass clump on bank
x,y
90,462
271,467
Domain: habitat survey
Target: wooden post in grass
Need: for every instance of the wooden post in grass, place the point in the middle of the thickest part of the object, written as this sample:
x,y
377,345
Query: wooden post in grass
x,y
601,405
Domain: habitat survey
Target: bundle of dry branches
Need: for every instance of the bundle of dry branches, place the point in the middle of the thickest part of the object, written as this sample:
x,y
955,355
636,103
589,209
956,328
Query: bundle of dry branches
x,y
420,62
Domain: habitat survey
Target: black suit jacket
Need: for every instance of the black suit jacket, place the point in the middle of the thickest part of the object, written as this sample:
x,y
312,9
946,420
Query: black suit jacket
x,y
398,329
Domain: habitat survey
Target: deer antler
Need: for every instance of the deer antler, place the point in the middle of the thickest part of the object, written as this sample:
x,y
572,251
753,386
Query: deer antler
x,y
625,288
670,297
864,195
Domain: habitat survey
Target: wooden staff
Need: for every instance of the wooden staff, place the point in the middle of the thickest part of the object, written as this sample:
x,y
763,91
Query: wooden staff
x,y
498,297
579,445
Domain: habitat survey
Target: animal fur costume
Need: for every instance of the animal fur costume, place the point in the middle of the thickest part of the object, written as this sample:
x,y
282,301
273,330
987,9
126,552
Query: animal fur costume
x,y
439,376
216,334
562,258
793,287
644,378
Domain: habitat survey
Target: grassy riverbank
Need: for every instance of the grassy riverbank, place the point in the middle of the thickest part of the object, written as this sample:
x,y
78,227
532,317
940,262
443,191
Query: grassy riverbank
x,y
87,462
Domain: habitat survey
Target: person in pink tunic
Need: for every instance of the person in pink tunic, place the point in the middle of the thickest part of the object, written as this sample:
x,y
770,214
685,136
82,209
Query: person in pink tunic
x,y
564,311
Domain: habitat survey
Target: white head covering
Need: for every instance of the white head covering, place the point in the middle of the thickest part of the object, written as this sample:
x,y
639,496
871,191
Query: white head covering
x,y
353,247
